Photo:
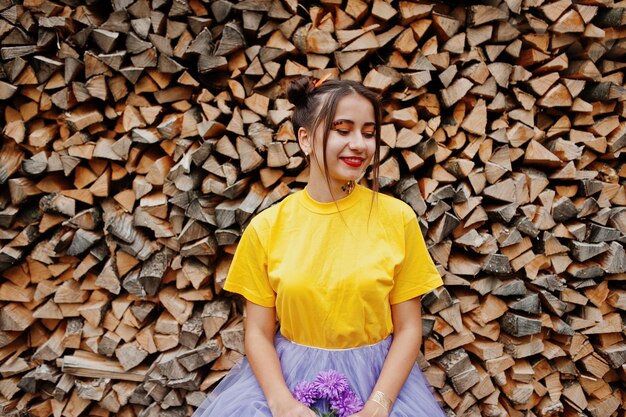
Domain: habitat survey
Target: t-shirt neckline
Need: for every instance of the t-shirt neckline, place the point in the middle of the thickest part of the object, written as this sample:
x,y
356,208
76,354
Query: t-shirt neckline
x,y
331,207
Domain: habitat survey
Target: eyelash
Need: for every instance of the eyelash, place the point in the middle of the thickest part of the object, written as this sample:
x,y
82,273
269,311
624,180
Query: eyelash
x,y
343,132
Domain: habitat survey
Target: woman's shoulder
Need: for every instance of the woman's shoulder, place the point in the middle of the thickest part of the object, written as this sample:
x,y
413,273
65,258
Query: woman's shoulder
x,y
269,215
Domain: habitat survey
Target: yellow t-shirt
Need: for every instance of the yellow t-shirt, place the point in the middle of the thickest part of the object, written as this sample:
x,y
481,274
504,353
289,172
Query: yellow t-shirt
x,y
332,276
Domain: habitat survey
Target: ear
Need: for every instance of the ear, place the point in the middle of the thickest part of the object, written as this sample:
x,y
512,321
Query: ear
x,y
305,141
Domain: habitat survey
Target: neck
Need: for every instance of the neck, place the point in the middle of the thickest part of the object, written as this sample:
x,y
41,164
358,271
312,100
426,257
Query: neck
x,y
322,193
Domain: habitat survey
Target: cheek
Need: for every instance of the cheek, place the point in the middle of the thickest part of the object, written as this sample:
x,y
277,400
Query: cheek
x,y
334,144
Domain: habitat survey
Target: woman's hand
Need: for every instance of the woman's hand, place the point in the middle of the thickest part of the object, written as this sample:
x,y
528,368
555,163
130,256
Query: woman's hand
x,y
372,409
290,407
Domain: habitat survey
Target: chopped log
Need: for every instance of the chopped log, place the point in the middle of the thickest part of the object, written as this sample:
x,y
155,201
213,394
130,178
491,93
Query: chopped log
x,y
458,367
517,325
130,355
455,91
108,246
83,363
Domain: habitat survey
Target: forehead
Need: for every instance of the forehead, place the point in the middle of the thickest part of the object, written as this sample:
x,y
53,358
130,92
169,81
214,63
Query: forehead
x,y
355,107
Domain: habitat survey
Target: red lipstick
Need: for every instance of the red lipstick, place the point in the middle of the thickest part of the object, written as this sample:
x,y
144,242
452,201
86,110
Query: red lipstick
x,y
353,162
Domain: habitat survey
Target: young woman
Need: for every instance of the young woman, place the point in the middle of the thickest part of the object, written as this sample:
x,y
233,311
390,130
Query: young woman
x,y
340,266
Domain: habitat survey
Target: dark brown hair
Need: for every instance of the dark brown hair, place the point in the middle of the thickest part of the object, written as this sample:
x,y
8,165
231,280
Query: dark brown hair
x,y
315,106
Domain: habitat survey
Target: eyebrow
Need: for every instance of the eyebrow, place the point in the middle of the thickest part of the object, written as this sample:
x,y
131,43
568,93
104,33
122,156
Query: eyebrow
x,y
339,121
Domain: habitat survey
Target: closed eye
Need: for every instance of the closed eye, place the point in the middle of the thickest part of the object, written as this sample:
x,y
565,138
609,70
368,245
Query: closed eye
x,y
344,127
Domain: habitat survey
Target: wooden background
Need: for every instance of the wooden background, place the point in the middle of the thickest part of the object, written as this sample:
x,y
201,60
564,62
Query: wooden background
x,y
138,137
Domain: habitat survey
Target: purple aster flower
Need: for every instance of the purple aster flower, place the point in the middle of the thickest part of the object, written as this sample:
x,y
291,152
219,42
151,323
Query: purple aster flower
x,y
306,393
331,384
346,404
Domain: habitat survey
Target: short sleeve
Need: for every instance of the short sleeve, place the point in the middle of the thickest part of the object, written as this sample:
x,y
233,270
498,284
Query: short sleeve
x,y
417,274
248,271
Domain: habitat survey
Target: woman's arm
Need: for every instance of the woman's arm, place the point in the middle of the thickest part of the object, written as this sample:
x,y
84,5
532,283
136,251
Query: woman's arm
x,y
407,339
260,325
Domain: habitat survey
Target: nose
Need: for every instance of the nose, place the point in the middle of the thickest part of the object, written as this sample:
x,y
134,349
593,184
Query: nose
x,y
357,142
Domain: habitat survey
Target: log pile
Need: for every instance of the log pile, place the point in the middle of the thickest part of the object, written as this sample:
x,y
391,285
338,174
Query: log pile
x,y
139,138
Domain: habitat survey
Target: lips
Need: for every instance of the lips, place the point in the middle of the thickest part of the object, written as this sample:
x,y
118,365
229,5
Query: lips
x,y
353,161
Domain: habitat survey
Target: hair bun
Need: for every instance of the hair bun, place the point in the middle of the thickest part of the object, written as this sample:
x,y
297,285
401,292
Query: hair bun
x,y
298,90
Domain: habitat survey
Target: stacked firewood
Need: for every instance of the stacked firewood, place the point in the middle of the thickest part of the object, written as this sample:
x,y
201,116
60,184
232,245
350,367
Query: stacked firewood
x,y
139,138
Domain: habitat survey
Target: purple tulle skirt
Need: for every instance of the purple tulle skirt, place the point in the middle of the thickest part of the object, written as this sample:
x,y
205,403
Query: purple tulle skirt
x,y
239,393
